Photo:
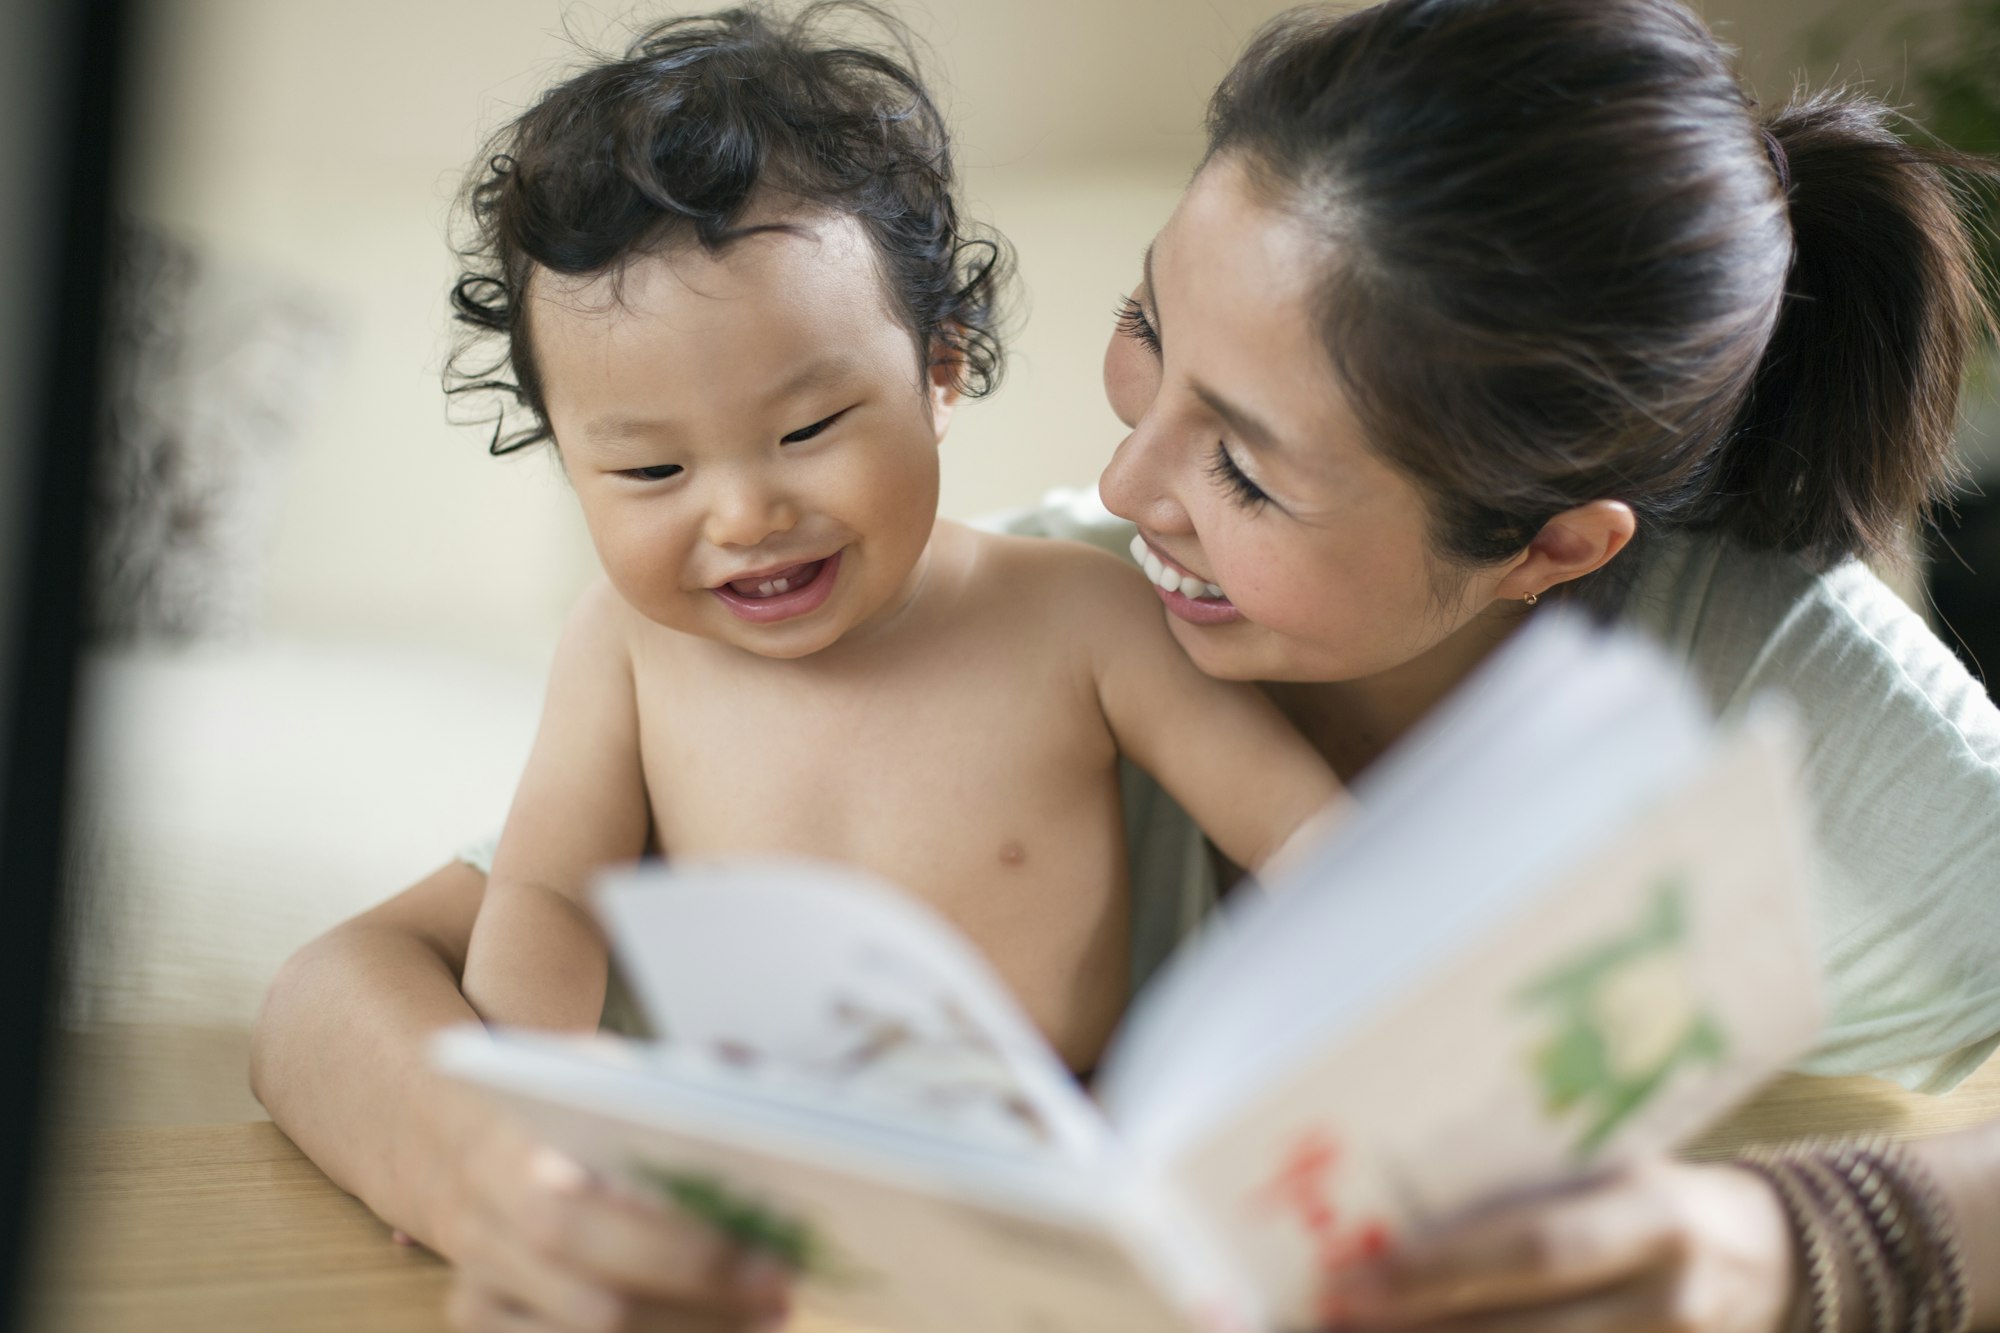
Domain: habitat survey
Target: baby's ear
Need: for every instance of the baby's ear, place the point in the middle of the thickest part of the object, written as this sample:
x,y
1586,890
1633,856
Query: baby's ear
x,y
947,363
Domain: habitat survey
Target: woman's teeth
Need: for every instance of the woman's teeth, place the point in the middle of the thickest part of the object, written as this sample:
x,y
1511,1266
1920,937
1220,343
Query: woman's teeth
x,y
1187,585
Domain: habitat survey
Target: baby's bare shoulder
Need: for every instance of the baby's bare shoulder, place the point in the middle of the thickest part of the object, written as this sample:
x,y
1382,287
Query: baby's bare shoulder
x,y
1067,581
607,637
602,621
599,620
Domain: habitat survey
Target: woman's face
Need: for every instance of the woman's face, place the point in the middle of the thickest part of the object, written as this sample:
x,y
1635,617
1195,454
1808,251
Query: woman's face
x,y
1246,469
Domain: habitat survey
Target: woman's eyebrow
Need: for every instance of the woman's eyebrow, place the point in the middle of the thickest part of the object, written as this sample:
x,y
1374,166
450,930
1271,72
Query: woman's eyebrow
x,y
1243,423
1248,428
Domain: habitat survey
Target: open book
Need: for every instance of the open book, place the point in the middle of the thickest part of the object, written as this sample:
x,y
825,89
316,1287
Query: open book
x,y
1566,924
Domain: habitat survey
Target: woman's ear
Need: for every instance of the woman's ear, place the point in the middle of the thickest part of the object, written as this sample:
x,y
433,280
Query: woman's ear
x,y
1573,543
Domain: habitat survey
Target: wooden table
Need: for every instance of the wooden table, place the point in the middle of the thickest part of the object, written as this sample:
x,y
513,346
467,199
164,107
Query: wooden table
x,y
193,1229
221,1228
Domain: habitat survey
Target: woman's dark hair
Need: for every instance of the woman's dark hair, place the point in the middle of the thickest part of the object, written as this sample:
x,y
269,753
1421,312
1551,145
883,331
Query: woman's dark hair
x,y
669,144
1567,261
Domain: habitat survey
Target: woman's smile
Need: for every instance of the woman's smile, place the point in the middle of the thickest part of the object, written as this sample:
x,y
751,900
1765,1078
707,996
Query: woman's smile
x,y
1188,595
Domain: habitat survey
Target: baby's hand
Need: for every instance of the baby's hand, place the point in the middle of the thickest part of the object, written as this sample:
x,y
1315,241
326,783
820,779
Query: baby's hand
x,y
542,1246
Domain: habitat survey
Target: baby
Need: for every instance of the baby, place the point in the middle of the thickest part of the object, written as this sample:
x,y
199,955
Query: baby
x,y
735,293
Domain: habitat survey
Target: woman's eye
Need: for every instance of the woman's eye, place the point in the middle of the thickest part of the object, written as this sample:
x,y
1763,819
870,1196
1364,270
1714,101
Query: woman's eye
x,y
1233,480
807,432
1133,324
659,472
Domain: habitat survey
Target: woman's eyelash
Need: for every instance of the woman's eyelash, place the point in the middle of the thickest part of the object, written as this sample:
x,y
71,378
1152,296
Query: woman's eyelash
x,y
658,472
1133,324
1241,489
807,432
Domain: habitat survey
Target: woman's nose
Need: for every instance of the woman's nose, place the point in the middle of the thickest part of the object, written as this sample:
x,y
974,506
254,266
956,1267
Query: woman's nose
x,y
745,513
1139,483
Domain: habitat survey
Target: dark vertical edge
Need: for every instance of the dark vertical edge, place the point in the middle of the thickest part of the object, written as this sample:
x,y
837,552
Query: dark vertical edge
x,y
87,89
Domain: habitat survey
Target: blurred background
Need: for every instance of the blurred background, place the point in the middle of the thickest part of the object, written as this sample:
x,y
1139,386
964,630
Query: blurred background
x,y
316,663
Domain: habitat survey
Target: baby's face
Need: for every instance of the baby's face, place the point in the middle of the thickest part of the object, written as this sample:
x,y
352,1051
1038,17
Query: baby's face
x,y
750,435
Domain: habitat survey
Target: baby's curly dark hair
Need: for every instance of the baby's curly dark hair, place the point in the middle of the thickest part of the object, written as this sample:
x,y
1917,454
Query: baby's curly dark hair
x,y
671,141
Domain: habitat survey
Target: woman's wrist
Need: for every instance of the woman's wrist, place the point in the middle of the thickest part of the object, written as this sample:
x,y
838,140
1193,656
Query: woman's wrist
x,y
1876,1244
1966,1168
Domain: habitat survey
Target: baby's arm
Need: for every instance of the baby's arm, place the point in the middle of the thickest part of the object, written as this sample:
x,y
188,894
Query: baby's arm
x,y
536,958
1220,748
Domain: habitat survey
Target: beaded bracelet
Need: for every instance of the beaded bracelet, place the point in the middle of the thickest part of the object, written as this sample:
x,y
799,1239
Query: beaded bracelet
x,y
1869,1216
1820,1311
1870,1263
1945,1288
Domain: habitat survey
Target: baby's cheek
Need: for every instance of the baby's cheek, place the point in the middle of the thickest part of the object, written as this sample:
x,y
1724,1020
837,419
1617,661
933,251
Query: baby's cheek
x,y
898,488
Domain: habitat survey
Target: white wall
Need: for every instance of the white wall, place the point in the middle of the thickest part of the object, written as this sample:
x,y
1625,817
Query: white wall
x,y
324,144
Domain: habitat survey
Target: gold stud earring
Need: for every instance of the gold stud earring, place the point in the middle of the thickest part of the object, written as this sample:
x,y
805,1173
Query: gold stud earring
x,y
1532,598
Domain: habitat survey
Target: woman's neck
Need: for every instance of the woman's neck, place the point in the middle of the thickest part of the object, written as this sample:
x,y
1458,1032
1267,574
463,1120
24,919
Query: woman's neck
x,y
1353,722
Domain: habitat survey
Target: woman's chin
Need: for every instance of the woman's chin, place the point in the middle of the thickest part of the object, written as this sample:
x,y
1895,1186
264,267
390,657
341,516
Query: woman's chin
x,y
1245,650
1226,652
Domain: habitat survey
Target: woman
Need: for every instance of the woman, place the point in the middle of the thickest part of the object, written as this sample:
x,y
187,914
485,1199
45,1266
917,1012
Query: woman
x,y
1473,304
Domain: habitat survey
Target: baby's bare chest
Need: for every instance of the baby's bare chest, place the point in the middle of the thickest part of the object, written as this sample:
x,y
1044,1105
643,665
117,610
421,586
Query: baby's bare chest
x,y
943,777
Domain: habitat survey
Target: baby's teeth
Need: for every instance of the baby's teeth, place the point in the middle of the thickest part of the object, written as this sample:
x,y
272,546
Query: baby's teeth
x,y
1212,591
764,589
1191,586
783,585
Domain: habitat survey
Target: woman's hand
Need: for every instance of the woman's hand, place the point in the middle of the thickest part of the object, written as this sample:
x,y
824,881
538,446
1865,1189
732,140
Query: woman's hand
x,y
1656,1246
541,1245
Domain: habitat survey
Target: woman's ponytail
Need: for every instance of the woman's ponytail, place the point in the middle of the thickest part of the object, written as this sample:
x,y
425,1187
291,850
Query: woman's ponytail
x,y
1566,264
1846,437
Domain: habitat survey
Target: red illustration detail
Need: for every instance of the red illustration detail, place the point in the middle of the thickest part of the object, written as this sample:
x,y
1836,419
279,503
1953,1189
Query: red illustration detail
x,y
1217,1319
1303,1188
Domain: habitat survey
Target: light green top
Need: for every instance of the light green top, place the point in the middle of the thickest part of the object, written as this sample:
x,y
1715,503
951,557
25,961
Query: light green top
x,y
1902,755
1902,762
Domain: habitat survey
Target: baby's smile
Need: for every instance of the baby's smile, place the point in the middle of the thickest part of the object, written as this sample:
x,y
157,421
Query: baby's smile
x,y
769,595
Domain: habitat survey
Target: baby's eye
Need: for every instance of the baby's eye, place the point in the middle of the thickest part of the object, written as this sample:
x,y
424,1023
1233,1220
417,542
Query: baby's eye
x,y
658,472
807,432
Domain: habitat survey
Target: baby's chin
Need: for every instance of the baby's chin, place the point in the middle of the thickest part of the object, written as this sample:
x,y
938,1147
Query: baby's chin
x,y
788,641
804,647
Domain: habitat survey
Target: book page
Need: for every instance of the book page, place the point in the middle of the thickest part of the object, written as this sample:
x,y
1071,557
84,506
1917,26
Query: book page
x,y
819,983
1657,981
893,1230
1502,786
